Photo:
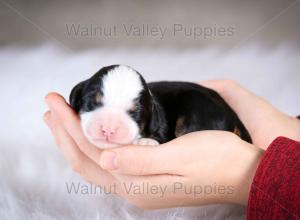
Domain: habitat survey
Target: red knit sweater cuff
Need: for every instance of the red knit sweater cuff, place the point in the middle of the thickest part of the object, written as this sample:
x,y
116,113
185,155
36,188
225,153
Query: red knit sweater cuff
x,y
275,191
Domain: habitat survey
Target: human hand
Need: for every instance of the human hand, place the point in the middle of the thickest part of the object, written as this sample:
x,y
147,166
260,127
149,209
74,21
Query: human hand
x,y
264,122
83,157
208,160
198,168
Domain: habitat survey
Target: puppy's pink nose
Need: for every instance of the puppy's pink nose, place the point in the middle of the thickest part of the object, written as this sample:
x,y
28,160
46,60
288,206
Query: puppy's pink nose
x,y
108,131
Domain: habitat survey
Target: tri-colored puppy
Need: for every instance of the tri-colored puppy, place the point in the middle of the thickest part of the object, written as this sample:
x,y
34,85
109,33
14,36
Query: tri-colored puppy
x,y
118,107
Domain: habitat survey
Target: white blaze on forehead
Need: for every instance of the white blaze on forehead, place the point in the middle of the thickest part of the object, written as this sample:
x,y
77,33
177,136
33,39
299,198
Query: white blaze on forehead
x,y
120,87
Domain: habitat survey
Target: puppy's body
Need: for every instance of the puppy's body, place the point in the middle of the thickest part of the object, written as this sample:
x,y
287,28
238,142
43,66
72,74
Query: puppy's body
x,y
117,107
189,107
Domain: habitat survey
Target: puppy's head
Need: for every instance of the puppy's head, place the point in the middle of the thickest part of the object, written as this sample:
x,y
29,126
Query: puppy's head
x,y
114,106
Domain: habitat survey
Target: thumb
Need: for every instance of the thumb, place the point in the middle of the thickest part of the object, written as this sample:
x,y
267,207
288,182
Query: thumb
x,y
139,160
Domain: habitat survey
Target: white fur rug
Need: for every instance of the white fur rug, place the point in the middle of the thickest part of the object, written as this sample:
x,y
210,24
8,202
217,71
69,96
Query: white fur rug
x,y
34,173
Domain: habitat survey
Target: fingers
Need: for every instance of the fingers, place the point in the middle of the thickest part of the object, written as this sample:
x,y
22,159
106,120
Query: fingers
x,y
64,141
240,99
219,85
79,162
140,160
249,107
71,123
47,119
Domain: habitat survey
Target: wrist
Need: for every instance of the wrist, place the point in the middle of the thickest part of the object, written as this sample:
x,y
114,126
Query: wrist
x,y
249,160
296,125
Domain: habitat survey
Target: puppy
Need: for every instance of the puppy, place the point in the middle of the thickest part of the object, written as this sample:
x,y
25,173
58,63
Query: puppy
x,y
118,107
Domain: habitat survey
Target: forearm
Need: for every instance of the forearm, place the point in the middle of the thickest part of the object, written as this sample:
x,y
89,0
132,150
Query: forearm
x,y
243,172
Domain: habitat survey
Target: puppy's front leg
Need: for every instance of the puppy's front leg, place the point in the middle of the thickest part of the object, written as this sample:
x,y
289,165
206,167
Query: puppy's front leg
x,y
145,141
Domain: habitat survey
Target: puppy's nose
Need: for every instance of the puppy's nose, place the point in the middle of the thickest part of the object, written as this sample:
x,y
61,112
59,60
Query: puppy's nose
x,y
108,131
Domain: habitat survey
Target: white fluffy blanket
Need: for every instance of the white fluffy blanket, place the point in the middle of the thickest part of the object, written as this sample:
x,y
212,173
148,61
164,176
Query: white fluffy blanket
x,y
33,172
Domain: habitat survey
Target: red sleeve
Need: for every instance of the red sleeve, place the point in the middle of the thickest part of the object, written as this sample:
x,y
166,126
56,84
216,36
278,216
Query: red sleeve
x,y
275,191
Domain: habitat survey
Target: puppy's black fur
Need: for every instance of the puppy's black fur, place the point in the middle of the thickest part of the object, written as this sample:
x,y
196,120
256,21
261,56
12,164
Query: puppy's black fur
x,y
184,107
166,110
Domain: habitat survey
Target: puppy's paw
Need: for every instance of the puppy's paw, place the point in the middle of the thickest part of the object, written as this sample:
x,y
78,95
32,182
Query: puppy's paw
x,y
146,141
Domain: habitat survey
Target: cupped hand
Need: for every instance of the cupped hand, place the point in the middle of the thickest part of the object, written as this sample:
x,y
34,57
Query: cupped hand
x,y
197,168
264,122
83,157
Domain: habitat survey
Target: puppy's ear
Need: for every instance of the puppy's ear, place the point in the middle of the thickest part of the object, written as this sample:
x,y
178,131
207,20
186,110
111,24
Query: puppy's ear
x,y
75,98
158,123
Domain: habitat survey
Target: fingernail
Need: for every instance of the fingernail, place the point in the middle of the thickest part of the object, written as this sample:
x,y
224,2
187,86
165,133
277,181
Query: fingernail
x,y
46,117
47,120
47,100
108,160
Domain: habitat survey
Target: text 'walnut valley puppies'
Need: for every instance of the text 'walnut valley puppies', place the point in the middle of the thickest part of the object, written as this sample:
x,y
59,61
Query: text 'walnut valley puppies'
x,y
118,107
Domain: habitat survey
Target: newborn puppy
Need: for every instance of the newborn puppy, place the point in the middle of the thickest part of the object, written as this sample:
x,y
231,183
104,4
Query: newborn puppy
x,y
117,107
